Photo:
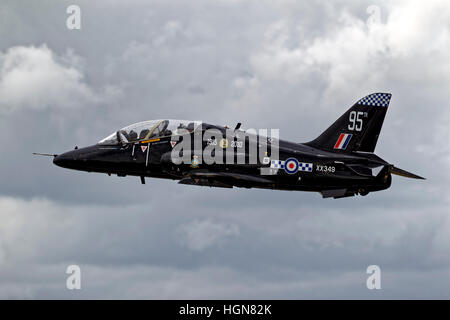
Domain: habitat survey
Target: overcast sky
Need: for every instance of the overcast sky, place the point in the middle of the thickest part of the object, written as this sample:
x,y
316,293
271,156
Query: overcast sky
x,y
292,65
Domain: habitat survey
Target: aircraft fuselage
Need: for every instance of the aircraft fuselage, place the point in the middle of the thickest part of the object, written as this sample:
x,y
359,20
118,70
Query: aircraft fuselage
x,y
327,172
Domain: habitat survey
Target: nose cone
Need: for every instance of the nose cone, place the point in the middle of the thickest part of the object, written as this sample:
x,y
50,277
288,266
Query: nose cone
x,y
65,160
84,159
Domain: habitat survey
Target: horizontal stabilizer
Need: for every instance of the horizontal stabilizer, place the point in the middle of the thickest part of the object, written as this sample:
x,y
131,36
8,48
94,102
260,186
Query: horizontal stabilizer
x,y
404,173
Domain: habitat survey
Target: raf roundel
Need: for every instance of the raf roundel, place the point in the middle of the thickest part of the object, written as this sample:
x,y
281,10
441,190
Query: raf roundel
x,y
291,165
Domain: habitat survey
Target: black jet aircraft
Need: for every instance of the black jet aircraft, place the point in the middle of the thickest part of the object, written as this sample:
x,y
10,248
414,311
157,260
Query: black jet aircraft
x,y
339,163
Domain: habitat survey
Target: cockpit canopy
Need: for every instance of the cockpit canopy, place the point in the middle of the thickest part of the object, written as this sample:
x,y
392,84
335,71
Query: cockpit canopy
x,y
151,129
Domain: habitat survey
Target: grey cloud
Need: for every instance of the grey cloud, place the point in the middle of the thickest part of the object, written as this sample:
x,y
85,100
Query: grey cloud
x,y
199,235
31,77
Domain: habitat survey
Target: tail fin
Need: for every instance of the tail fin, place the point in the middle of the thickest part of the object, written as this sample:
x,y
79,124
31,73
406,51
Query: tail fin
x,y
357,129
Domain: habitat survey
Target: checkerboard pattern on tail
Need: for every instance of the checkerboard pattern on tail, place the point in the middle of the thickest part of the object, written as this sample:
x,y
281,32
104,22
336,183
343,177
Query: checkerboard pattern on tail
x,y
376,100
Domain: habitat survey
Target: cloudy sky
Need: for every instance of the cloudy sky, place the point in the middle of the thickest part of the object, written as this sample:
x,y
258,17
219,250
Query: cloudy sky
x,y
293,65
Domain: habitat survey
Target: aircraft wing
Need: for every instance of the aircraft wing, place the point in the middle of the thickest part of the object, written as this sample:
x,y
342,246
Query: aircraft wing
x,y
228,175
221,179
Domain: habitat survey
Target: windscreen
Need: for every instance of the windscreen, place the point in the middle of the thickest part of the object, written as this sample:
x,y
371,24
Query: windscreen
x,y
151,129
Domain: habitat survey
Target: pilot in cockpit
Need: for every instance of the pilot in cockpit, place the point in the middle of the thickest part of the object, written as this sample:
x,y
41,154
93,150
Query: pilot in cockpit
x,y
132,136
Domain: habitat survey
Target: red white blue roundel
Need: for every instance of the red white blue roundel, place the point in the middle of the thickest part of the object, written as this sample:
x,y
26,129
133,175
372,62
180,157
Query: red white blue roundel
x,y
291,165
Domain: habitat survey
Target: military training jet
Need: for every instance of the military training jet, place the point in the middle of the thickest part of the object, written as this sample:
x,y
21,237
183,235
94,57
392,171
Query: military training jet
x,y
339,163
